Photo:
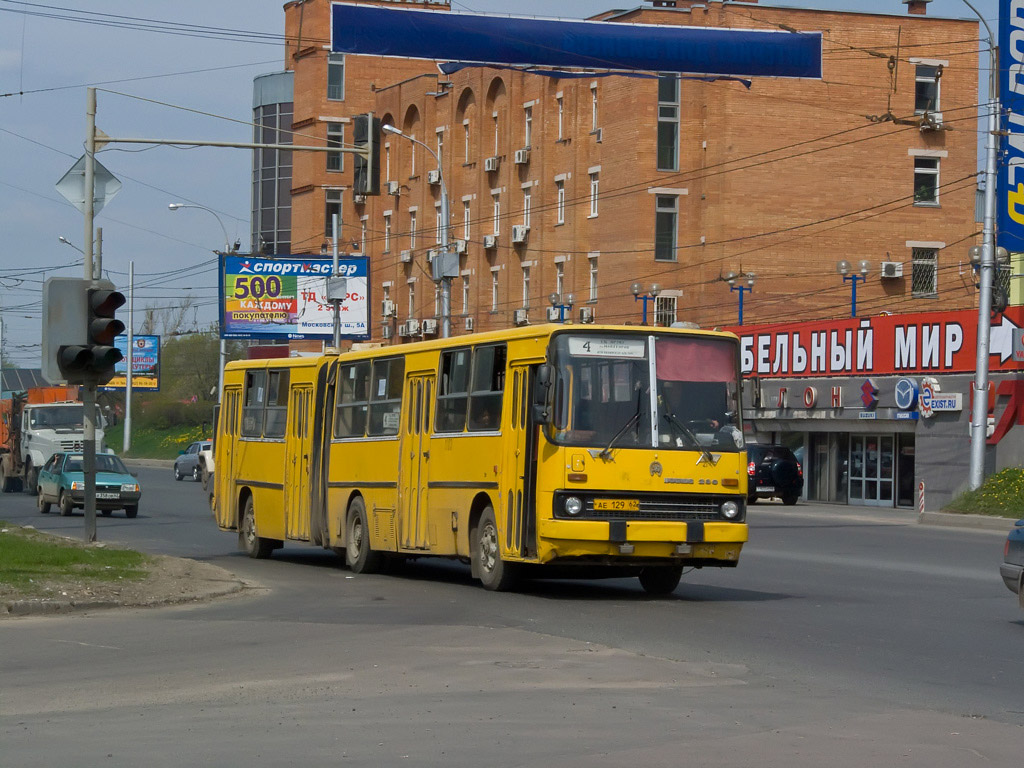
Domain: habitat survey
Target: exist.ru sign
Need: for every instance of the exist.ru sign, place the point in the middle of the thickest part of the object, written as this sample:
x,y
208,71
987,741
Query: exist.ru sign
x,y
1010,183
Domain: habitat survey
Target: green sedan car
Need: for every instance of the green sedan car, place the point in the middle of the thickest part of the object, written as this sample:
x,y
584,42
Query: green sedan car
x,y
62,482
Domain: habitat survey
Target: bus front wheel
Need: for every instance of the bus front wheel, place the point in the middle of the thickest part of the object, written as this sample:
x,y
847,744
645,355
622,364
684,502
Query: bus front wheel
x,y
495,574
255,546
361,558
660,580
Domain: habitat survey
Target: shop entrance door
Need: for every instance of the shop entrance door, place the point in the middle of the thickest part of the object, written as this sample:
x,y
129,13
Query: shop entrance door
x,y
872,464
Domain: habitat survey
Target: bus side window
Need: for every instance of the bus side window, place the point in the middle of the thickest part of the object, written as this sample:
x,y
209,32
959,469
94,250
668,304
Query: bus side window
x,y
277,403
386,396
488,387
353,391
252,409
452,391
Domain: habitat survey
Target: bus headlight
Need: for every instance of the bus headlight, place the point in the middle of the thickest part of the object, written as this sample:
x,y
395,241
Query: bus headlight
x,y
573,506
730,510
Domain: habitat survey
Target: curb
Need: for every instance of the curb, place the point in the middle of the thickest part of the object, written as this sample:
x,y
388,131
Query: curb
x,y
979,522
158,463
49,607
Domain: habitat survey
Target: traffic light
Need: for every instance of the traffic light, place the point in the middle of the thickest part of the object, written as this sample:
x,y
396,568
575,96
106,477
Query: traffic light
x,y
366,135
86,353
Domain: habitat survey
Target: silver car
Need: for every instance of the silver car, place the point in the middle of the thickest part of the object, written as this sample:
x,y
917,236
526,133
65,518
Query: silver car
x,y
187,463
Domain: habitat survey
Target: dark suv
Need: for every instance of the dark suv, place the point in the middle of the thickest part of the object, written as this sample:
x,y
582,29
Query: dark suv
x,y
772,470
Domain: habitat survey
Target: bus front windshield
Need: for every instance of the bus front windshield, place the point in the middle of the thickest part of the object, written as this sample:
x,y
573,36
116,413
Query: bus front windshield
x,y
604,398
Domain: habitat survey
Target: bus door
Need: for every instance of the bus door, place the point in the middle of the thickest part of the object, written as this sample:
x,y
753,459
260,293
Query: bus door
x,y
414,472
225,462
519,466
296,464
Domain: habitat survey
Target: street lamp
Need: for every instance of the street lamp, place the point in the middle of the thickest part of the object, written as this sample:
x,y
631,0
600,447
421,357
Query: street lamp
x,y
444,274
227,250
651,295
562,306
844,268
731,279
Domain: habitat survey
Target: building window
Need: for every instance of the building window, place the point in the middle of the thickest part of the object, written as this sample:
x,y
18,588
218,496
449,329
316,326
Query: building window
x,y
527,201
437,300
465,220
336,76
926,181
335,138
496,202
593,107
412,156
666,224
528,130
668,123
560,279
560,202
272,179
387,162
526,287
496,134
387,232
665,311
594,186
465,294
593,278
925,279
412,299
440,148
561,117
438,223
494,291
465,141
412,229
332,207
362,235
926,90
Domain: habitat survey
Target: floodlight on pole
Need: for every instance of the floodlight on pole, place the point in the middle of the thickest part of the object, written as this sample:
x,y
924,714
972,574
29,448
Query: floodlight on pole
x,y
731,278
845,270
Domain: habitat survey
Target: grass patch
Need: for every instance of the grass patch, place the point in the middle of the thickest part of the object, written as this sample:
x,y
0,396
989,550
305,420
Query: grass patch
x,y
1001,495
153,443
30,559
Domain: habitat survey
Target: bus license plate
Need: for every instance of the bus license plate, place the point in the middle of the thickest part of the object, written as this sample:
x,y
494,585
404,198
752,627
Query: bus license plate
x,y
617,505
108,496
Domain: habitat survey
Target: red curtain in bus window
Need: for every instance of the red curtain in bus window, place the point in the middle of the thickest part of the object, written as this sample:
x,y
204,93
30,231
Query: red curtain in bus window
x,y
695,360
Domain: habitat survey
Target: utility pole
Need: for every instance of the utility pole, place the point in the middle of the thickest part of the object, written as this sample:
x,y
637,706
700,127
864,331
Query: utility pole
x,y
131,359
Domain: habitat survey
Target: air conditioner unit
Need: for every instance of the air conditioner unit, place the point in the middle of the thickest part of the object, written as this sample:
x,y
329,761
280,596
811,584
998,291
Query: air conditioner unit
x,y
403,329
490,241
430,327
405,256
411,328
431,255
359,199
469,323
387,308
586,314
554,314
434,177
522,156
931,121
393,187
599,135
491,164
892,269
519,232
460,246
520,317
387,332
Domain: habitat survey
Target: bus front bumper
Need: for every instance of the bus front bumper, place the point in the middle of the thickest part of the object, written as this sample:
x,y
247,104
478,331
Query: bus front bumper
x,y
706,542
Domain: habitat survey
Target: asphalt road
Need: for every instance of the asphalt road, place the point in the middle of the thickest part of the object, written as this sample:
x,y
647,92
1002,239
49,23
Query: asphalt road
x,y
846,636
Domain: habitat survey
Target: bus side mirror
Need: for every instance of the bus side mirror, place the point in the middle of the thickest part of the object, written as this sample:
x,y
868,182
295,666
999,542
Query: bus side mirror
x,y
542,394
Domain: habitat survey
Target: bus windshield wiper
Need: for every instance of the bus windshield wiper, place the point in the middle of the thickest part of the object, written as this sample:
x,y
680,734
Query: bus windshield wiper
x,y
607,452
688,434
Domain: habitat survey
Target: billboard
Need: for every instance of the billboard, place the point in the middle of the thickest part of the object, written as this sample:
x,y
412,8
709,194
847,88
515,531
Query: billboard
x,y
920,343
1010,174
145,364
285,297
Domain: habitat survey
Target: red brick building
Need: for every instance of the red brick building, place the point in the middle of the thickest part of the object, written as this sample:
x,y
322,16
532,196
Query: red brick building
x,y
585,186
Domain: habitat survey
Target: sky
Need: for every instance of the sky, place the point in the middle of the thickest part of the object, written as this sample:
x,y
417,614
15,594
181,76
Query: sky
x,y
161,81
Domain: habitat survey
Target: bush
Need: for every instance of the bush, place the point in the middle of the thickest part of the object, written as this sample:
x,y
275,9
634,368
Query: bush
x,y
170,414
1001,495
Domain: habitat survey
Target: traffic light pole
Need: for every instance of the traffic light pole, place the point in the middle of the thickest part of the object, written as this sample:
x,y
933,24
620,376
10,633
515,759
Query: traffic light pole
x,y
89,390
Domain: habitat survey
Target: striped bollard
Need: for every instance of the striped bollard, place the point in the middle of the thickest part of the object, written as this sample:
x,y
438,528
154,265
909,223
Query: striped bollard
x,y
920,498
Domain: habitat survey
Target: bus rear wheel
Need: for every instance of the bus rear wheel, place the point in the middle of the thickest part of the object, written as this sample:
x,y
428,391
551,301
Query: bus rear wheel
x,y
361,558
495,574
253,545
660,580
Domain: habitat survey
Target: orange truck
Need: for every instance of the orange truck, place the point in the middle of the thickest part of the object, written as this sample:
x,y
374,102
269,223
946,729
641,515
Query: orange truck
x,y
34,425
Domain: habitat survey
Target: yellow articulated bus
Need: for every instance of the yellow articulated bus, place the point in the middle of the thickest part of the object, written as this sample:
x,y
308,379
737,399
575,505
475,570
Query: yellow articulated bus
x,y
553,445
